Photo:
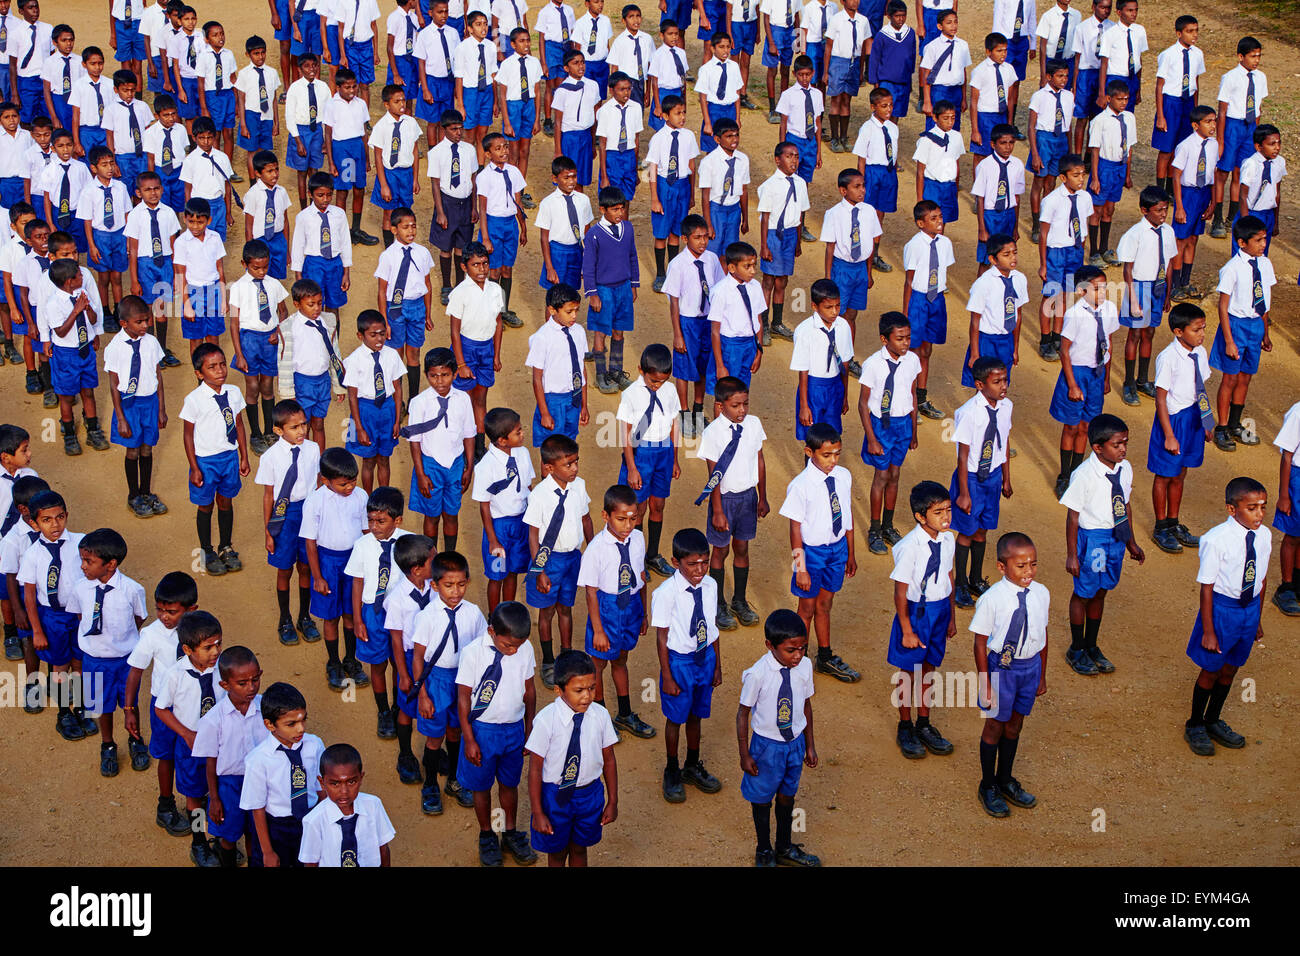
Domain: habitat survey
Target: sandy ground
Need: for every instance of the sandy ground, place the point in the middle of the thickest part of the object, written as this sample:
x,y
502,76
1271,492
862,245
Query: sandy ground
x,y
1115,782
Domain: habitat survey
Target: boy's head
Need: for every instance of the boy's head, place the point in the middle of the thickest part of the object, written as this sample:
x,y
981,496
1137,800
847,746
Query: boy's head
x,y
449,572
164,105
240,674
134,316
1117,95
102,550
565,173
199,634
786,155
307,297
1187,322
1073,170
1001,250
1268,140
1251,235
175,593
575,64
562,302
826,299
990,374
928,217
1090,284
384,508
1247,502
656,365
340,778
320,186
931,506
255,47
101,162
1204,120
1017,558
209,364
947,22
25,489
850,184
895,333
198,212
509,627
440,369
372,330
995,45
945,115
412,554
731,399
822,446
284,711
673,108
1154,203
741,260
15,448
575,682
339,469
882,103
727,133
1108,438
503,428
49,512
1003,137
1058,73
786,637
695,234
65,274
803,70
619,509
474,260
1249,52
691,557
560,458
613,203
289,421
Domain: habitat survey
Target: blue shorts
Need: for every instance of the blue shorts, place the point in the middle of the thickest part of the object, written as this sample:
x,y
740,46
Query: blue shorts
x,y
716,11
1191,444
780,765
1085,96
930,623
1248,335
130,166
349,156
620,167
655,463
209,316
1018,54
154,83
554,52
825,565
130,44
283,9
401,186
1101,559
986,122
945,194
62,111
189,109
716,112
72,373
162,739
478,106
60,629
460,226
261,355
726,226
895,442
1151,298
1091,381
1238,143
622,625
997,346
953,94
693,674
567,260
404,71
191,771
783,38
218,224
575,823
1234,625
565,409
657,123
173,191
502,748
929,319
680,12
221,108
259,132
444,498
235,823
577,145
480,356
930,20
674,197
1062,263
690,366
361,59
378,421
313,393
781,244
512,535
309,31
985,502
443,91
598,73
616,310
902,94
845,76
328,274
406,324
881,187
738,353
1052,147
744,35
1195,202
825,402
1289,524
406,703
522,118
852,279
157,277
103,681
740,508
112,251
313,142
33,101
338,603
290,548
807,155
504,233
141,413
220,478
1109,186
996,222
11,190
1178,123
562,570
1014,688
378,648
441,688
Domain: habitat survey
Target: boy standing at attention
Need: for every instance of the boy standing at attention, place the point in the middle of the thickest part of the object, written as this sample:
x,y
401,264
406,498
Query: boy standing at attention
x,y
1177,89
256,86
1050,111
724,188
1245,295
1064,212
649,443
351,828
198,269
887,407
304,117
820,343
1148,251
850,230
440,432
405,293
131,361
1192,177
474,315
691,275
255,304
394,148
926,259
501,481
848,39
782,202
502,225
718,85
670,159
943,66
611,276
1111,136
372,374
877,150
735,321
559,375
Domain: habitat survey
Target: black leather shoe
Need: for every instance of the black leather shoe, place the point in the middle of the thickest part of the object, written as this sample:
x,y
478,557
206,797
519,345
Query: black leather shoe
x,y
287,634
908,744
307,627
1080,662
13,647
548,674
1015,794
698,777
1129,395
172,820
745,614
88,725
1221,733
929,410
934,741
635,726
1185,537
1166,541
352,667
978,586
725,620
1198,738
835,666
1223,441
408,769
108,760
431,800
458,793
1243,437
1147,388
992,802
515,842
794,855
336,676
674,791
890,534
963,598
386,726
876,542
139,753
204,856
659,565
1104,666
764,858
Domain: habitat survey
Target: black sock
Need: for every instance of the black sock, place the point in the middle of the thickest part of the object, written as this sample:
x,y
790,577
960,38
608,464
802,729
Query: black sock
x,y
332,650
1034,219
875,526
160,332
1218,694
1092,240
506,283
624,705
904,725
671,764
1200,700
922,721
977,560
227,857
381,701
1091,627
1103,241
430,760
1078,460
146,474
388,238
697,408
282,599
778,313
480,445
453,755
1006,757
460,268
1186,271
673,249
444,263
824,653
356,221
784,824
449,540
988,763
887,517
1128,372
1144,368
615,355
1234,416
1076,636
251,411
652,540
404,740
203,519
413,381
349,643
132,477
659,262
197,835
763,825
1218,213
719,575
225,527
268,416
920,396
1067,458
692,757
304,600
741,576
959,564
548,651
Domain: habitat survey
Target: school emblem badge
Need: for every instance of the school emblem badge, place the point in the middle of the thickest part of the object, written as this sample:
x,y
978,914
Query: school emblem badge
x,y
399,295
1002,189
543,555
487,692
298,779
784,712
281,508
624,577
986,453
349,858
206,705
1117,507
1008,652
157,250
325,239
1248,577
570,770
52,580
381,583
132,386
701,634
1009,305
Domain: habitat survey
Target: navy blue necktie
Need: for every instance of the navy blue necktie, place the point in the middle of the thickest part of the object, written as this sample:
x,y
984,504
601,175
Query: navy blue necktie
x,y
97,613
223,403
722,80
785,706
155,232
1004,185
137,136
1009,303
207,696
263,97
1058,123
931,571
455,165
887,393
1119,508
1202,398
572,209
83,331
385,569
65,196
942,59
546,547
1257,289
837,517
31,48
1076,228
168,156
1248,571
335,363
421,598
704,287
575,364
625,575
889,146
833,362
281,506
855,236
749,308
487,686
395,148
11,516
932,279
647,418
428,426
397,292
313,110
672,158
724,460
1017,631
991,435
297,780
263,302
699,628
380,382
109,218
326,243
53,573
348,842
1102,341
511,478
133,375
572,757
1250,96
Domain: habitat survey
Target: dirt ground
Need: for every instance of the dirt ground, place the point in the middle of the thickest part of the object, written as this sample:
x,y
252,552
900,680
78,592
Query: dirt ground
x,y
1116,784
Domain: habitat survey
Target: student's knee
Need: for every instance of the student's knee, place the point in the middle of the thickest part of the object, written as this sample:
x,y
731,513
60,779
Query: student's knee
x,y
741,549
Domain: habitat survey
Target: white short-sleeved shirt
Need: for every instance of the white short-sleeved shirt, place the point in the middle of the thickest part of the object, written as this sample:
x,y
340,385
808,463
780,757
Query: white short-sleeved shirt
x,y
1015,18
916,259
877,143
837,228
994,610
245,296
952,72
474,62
209,62
1233,90
1088,35
445,443
13,151
985,79
390,266
182,692
442,159
407,135
431,629
57,307
592,36
783,206
268,772
793,105
1187,159
1288,436
1236,278
810,351
552,729
230,736
273,468
659,152
808,501
683,280
514,73
1079,326
1044,104
1222,557
814,16
117,359
1169,67
846,33
332,520
15,545
1055,213
669,67
672,606
760,691
199,257
186,49
988,296
709,78
517,669
356,19
555,22
83,98
545,498
246,81
492,185
713,173
429,48
512,499
971,420
736,319
612,119
322,834
207,173
36,563
1115,48
636,400
157,646
1090,492
401,605
780,13
359,371
477,307
548,350
1259,194
202,411
35,37
624,50
307,235
55,67
119,608
553,216
1058,28
742,473
310,356
363,563
1149,248
1104,134
509,14
49,182
139,226
988,180
155,144
601,560
94,204
940,153
347,119
1175,374
875,372
912,557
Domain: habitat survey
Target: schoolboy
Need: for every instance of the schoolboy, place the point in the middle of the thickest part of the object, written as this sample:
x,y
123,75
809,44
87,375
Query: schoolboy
x,y
782,202
393,143
184,49
849,36
1245,295
218,71
507,16
358,29
850,230
225,736
776,705
994,304
1233,576
893,56
735,320
400,31
925,618
14,545
278,788
723,178
434,48
517,78
649,442
1064,211
562,221
441,432
33,44
14,144
558,373
102,207
1084,379
474,315
821,537
993,86
555,22
691,275
151,230
942,71
718,85
58,72
779,19
15,457
256,305
347,121
1177,89
1084,61
1184,423
877,150
256,86
1058,36
38,155
1017,20
887,407
1111,136
631,51
938,156
351,828
1261,180
667,73
496,699
198,263
452,168
156,27
71,323
926,260
1195,194
13,250
618,130
321,248
373,377
983,473
167,144
1050,111
131,361
125,30
304,115
502,225
207,174
413,554
1120,55
1148,251
87,103
405,293
315,355
611,276
266,205
474,66
558,525
1010,628
670,165
820,343
592,33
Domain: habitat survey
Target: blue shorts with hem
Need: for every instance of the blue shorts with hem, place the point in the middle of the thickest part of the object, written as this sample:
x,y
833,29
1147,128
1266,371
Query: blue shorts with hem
x,y
1196,199
406,324
716,112
1248,336
825,402
578,146
209,315
781,243
1151,298
130,44
512,535
445,496
996,221
441,688
378,647
807,155
616,310
378,421
740,508
221,108
693,675
744,35
60,629
1101,559
738,353
33,100
220,478
562,571
349,157
655,463
929,319
480,356
1092,381
852,279
502,749
130,166
566,259
443,91
726,226
1191,444
953,94
1052,147
189,108
565,409
1014,688
780,765
338,603
620,167
881,184
1018,54
1289,524
260,132
985,502
1178,123
1235,626
895,442
314,393
111,245
290,549
1109,184
261,355
236,823
309,30
328,274
460,225
554,52
622,625
71,372
1085,96
1062,263
783,38
845,76
523,116
313,143
157,278
361,58
162,739
191,771
504,233
478,105
986,122
575,823
995,346
902,94
141,413
930,623
825,565
689,366
716,11
401,186
103,680
406,703
1238,143
674,197
943,193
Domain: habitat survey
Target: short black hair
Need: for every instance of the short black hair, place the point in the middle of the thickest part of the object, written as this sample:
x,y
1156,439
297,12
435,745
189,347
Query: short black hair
x,y
473,250
727,386
985,366
283,410
691,223
570,664
343,74
195,627
877,94
511,619
824,289
304,288
26,488
387,499
340,755
164,101
198,206
337,463
176,587
725,125
670,102
500,422
12,438
120,77
255,249
1011,541
401,214
819,434
448,562
1086,275
440,357
689,541
845,177
561,294
616,496
1184,314
996,243
62,271
923,209
1263,131
1242,229
105,544
783,625
201,351
367,319
1001,129
556,446
738,252
234,657
450,117
1070,161
1201,112
411,551
893,320
1152,196
34,226
611,196
562,164
944,106
991,42
1055,65
1105,427
318,180
1248,45
1116,87
204,124
925,495
1185,21
1241,486
254,42
281,698
657,358
44,501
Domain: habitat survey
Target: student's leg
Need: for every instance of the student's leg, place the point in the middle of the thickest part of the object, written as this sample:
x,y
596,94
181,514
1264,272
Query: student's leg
x,y
1176,494
878,481
1288,558
600,679
225,522
566,626
784,821
544,637
891,496
203,520
1223,399
509,586
656,511
904,695
483,810
317,429
990,737
383,470
368,471
692,740
822,617
105,723
739,570
430,530
618,670
1007,747
1239,390
1092,622
304,593
923,353
923,708
577,855
672,737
